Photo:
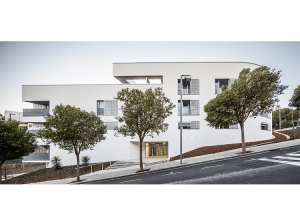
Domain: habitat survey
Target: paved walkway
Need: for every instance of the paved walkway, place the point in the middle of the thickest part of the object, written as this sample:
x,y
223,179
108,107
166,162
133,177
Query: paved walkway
x,y
104,174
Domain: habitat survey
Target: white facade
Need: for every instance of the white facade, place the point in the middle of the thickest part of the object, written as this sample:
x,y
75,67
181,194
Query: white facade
x,y
14,115
125,148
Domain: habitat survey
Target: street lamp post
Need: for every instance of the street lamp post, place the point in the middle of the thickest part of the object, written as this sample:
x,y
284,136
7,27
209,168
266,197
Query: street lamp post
x,y
187,78
279,118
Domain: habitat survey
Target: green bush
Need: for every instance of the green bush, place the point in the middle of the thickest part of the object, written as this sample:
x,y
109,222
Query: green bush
x,y
85,160
56,161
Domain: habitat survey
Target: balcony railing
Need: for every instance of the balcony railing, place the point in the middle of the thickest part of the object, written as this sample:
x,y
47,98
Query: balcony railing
x,y
35,112
37,157
33,131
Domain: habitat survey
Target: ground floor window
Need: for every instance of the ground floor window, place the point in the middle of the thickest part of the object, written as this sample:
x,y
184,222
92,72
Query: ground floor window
x,y
190,125
265,126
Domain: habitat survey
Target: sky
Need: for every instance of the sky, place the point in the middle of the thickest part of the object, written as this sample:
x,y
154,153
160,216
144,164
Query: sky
x,y
90,62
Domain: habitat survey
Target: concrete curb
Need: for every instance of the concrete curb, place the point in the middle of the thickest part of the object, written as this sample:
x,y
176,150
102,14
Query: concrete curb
x,y
191,164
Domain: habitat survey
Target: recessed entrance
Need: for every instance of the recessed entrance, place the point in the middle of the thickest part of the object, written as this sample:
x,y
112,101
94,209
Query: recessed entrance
x,y
156,149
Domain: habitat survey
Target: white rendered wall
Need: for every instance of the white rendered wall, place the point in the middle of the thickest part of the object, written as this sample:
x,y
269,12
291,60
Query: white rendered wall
x,y
124,148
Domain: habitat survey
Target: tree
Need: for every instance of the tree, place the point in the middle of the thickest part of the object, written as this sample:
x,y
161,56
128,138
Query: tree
x,y
144,113
295,115
73,129
284,115
295,100
15,142
252,93
286,124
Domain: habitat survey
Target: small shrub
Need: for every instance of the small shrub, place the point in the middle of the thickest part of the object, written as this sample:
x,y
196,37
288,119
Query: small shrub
x,y
85,160
56,161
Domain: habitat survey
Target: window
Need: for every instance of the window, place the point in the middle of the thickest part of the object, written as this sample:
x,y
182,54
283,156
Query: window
x,y
264,114
234,126
190,107
107,107
190,125
265,126
111,125
219,83
42,149
189,87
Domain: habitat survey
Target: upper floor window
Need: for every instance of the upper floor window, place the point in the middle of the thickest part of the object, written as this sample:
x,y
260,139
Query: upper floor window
x,y
264,114
190,107
42,149
107,107
219,83
234,126
189,87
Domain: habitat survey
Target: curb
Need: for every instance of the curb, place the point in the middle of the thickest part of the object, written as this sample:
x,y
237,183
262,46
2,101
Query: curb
x,y
186,165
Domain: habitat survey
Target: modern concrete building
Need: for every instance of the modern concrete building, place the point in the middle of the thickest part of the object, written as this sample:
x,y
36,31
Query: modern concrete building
x,y
206,82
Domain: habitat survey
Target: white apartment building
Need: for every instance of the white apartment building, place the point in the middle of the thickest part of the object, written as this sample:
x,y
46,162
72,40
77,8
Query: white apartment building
x,y
207,79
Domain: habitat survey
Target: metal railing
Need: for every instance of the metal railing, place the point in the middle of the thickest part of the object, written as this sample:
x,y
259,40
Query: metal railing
x,y
35,112
37,156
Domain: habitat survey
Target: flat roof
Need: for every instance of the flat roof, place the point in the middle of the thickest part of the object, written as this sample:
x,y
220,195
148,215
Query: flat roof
x,y
188,62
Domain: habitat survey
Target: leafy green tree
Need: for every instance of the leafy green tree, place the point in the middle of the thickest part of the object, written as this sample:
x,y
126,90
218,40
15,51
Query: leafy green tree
x,y
73,129
295,100
295,115
15,142
286,124
284,115
252,93
144,113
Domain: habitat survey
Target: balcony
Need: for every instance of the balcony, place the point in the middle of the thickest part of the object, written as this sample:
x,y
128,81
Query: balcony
x,y
37,157
35,112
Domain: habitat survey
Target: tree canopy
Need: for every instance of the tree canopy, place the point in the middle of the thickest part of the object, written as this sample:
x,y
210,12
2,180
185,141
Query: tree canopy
x,y
15,142
73,129
295,100
284,116
252,93
144,113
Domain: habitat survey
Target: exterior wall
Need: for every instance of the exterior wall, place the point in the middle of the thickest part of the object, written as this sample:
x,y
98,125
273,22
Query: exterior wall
x,y
14,115
124,148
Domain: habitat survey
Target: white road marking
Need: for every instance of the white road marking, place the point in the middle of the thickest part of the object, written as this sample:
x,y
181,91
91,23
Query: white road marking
x,y
129,181
280,161
285,157
293,154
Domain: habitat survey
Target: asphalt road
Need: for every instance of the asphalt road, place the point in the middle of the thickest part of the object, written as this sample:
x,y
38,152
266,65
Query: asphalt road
x,y
276,167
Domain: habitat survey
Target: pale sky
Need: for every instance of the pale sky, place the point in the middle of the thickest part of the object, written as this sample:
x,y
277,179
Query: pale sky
x,y
38,63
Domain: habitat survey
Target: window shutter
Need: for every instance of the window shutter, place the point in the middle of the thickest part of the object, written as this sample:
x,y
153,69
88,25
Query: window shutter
x,y
110,125
179,108
195,124
195,86
194,107
111,107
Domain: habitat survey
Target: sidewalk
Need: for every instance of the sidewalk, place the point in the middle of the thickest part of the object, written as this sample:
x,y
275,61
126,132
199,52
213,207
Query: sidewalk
x,y
104,174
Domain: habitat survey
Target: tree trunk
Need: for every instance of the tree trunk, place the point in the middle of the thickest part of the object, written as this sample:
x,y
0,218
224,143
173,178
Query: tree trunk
x,y
5,176
78,178
1,174
243,138
141,150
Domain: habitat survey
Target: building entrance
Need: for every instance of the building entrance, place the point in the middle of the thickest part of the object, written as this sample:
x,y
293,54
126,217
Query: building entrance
x,y
156,149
